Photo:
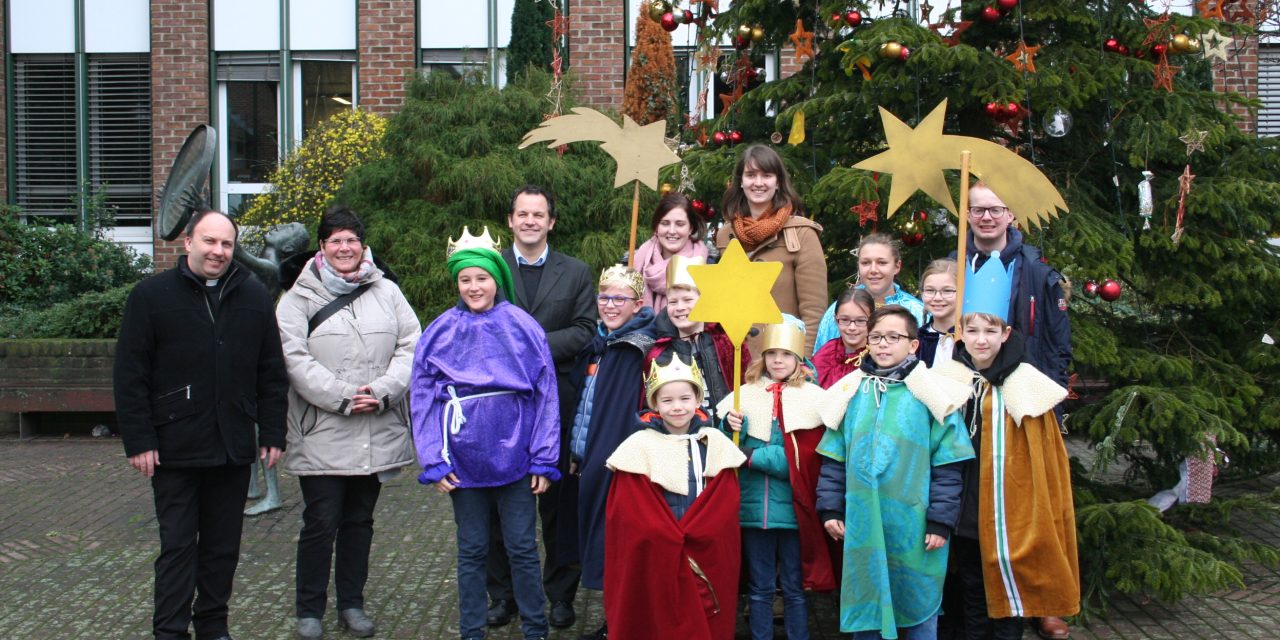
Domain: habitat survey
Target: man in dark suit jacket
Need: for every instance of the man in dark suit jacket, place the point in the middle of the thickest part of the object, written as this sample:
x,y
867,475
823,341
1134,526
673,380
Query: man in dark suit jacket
x,y
559,292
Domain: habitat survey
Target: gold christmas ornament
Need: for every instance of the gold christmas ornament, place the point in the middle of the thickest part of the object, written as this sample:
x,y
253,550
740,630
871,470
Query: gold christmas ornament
x,y
468,241
744,31
665,188
891,50
1180,43
757,33
656,9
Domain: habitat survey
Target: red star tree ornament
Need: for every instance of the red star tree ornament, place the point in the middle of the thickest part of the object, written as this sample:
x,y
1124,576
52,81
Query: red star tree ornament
x,y
803,41
1164,73
866,211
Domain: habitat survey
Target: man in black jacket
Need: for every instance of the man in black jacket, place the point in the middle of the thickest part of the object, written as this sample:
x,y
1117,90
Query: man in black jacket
x,y
560,294
198,363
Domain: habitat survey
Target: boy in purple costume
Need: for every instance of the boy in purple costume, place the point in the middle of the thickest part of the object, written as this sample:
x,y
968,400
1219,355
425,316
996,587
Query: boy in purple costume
x,y
486,427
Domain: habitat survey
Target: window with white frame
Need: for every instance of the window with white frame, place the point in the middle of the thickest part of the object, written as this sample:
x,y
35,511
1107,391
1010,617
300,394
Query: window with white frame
x,y
471,43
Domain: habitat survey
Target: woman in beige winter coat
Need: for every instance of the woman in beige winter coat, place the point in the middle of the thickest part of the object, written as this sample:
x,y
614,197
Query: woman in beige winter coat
x,y
349,370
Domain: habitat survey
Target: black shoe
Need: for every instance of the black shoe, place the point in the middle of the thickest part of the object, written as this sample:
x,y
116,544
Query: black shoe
x,y
600,634
500,613
562,614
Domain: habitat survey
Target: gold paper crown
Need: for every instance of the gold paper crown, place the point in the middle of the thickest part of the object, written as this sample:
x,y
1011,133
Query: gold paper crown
x,y
678,271
618,274
676,371
788,336
468,241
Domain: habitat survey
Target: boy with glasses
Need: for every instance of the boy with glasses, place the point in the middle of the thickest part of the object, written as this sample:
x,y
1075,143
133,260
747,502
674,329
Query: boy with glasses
x,y
892,472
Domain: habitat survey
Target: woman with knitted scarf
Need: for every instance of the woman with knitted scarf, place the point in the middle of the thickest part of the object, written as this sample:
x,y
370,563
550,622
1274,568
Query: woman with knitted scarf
x,y
763,211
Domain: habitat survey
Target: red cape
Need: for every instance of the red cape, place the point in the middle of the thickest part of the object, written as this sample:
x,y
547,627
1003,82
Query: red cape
x,y
819,556
652,588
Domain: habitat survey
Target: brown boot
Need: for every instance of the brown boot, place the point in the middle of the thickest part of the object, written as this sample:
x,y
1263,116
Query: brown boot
x,y
1052,628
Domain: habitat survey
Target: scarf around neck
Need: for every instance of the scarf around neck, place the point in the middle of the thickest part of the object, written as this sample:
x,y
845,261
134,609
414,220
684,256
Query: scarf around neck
x,y
753,232
341,284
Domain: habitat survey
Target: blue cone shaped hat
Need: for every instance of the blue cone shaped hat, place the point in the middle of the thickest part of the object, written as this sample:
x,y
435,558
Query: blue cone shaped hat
x,y
988,289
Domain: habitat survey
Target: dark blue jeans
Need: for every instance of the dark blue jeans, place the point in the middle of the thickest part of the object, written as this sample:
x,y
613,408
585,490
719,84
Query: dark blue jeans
x,y
773,557
339,510
518,512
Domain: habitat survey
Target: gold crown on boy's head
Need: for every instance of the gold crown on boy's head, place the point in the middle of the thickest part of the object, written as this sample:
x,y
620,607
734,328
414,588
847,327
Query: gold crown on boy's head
x,y
675,371
620,275
468,241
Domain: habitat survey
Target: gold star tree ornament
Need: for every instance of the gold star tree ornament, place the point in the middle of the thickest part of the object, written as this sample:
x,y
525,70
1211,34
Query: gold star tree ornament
x,y
736,293
917,158
640,151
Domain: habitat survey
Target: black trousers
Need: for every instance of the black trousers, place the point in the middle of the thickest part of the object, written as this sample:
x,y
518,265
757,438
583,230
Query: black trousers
x,y
339,509
200,513
966,564
560,582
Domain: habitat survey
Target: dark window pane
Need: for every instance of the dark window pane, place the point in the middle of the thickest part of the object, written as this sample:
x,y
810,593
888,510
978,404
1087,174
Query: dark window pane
x,y
326,90
252,131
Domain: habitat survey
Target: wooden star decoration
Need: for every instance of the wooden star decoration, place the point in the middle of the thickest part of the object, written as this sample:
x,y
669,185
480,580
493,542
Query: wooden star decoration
x,y
1214,44
1158,30
708,57
639,151
703,137
803,41
1194,140
925,10
1164,73
559,25
1024,57
1210,9
727,99
866,211
736,292
957,28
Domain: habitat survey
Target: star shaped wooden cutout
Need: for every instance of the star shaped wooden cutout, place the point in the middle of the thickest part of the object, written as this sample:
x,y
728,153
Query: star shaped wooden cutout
x,y
1210,9
708,57
736,293
957,28
903,160
1158,30
1024,57
559,25
1214,44
1164,73
727,99
925,10
803,41
1194,140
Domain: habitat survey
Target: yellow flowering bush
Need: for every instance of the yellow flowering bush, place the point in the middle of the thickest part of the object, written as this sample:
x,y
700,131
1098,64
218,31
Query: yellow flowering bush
x,y
305,182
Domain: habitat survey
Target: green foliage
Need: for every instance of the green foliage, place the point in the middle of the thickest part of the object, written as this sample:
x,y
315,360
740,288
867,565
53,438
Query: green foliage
x,y
46,265
92,315
303,184
1179,357
453,161
530,46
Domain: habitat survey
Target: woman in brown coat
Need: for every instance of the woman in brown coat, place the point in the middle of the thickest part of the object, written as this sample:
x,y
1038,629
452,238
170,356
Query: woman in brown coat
x,y
763,211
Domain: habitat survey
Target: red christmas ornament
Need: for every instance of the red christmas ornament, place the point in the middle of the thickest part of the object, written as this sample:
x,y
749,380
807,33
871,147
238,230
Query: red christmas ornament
x,y
906,53
740,42
735,136
1007,5
1123,50
990,14
836,19
923,216
1012,110
1160,49
1109,291
1091,288
688,17
720,138
994,110
669,21
699,207
853,18
1111,45
912,239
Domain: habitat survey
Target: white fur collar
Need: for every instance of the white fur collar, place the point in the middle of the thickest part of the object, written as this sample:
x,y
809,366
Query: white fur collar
x,y
1026,392
942,396
665,460
799,408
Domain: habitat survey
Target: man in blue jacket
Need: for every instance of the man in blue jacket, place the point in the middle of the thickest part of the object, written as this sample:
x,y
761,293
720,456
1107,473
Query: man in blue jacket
x,y
1037,305
198,363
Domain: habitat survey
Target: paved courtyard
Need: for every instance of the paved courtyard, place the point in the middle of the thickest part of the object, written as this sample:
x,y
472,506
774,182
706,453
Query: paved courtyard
x,y
78,538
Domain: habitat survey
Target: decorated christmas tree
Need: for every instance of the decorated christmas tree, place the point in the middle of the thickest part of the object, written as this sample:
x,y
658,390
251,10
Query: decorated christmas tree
x,y
650,93
1170,208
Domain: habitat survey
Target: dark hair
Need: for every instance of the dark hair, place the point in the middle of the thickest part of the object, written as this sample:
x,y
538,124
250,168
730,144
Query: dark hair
x,y
858,296
534,190
337,218
673,201
200,214
765,159
884,239
913,327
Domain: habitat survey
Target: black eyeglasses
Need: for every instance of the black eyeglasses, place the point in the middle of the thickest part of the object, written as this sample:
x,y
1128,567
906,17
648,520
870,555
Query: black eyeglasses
x,y
613,301
891,338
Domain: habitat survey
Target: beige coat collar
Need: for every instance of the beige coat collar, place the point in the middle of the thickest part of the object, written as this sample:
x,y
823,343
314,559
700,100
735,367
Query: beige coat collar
x,y
664,459
799,408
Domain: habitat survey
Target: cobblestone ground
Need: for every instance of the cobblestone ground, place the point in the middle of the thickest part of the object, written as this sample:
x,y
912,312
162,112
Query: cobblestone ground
x,y
78,538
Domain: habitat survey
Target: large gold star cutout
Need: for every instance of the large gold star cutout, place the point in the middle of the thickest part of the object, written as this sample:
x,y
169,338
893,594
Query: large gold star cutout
x,y
640,151
803,40
736,293
908,161
1024,58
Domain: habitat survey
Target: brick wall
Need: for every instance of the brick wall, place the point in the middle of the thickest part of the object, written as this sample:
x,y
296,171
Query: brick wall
x,y
386,39
596,51
179,91
1239,74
